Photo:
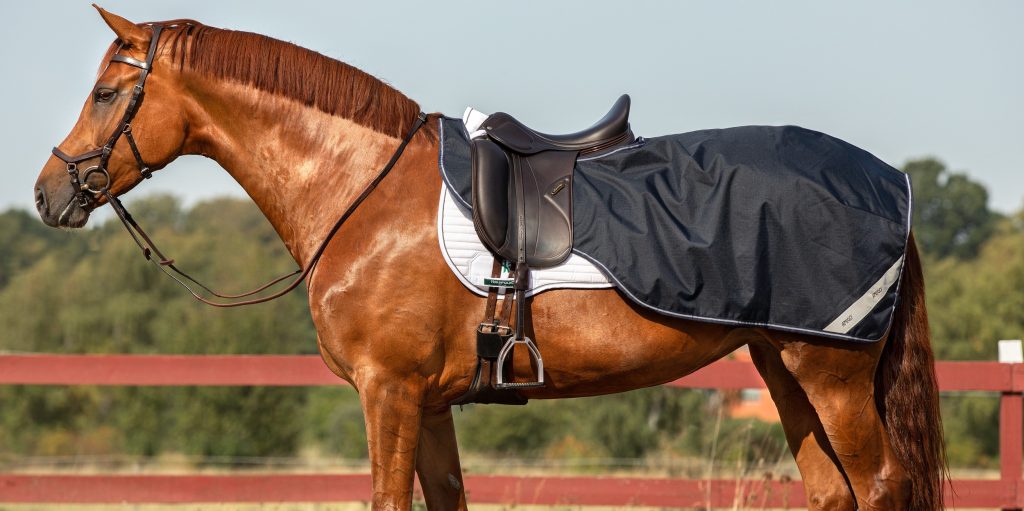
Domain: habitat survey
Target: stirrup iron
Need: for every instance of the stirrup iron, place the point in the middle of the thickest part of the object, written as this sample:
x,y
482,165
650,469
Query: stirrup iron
x,y
507,350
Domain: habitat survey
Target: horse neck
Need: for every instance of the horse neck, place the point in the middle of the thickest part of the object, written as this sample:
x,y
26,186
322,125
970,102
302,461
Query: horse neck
x,y
302,167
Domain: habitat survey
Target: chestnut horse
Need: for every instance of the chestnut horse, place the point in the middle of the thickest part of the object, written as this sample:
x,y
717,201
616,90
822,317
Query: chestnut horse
x,y
303,134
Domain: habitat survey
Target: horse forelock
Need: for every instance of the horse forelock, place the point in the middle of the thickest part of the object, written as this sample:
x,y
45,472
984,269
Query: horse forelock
x,y
291,71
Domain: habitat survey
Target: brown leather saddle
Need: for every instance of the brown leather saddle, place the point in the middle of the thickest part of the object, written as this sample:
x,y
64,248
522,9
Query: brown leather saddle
x,y
522,212
522,184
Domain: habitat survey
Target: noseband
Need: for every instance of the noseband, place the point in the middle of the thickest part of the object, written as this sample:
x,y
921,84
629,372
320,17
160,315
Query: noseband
x,y
85,194
80,182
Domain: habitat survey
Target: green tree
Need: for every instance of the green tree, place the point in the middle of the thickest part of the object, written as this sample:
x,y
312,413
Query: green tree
x,y
24,240
950,210
971,305
92,292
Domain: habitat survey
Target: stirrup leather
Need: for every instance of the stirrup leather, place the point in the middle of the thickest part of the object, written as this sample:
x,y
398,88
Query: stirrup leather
x,y
521,283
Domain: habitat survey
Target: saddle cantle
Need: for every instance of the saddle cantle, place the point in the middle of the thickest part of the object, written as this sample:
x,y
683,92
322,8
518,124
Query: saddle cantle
x,y
522,183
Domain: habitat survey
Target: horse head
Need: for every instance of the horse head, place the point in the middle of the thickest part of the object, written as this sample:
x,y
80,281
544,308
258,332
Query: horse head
x,y
118,138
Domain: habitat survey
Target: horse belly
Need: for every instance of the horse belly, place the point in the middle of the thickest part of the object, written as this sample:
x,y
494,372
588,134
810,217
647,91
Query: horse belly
x,y
596,342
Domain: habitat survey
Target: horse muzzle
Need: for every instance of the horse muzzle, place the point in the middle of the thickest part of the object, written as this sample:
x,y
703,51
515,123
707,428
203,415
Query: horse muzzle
x,y
61,208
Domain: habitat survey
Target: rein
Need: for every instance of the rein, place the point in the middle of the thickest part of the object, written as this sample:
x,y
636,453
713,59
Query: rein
x,y
149,248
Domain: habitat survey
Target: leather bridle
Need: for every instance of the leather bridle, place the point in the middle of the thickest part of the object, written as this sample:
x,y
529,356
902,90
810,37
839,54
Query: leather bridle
x,y
80,182
149,248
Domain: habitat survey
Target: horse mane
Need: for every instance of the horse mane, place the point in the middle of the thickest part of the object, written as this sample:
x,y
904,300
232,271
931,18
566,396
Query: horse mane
x,y
291,71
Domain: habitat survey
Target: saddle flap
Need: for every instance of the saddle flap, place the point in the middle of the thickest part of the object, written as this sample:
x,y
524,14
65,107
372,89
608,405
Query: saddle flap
x,y
492,195
522,183
547,196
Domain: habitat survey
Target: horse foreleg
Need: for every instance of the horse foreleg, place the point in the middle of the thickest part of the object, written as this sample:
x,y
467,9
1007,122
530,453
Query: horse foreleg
x,y
824,483
392,406
839,382
437,462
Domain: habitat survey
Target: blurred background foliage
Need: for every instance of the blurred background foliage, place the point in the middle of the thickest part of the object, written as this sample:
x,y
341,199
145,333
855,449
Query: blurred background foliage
x,y
90,292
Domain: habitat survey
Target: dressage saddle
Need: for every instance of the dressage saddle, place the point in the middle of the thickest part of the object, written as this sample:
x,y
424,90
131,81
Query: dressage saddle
x,y
522,212
522,184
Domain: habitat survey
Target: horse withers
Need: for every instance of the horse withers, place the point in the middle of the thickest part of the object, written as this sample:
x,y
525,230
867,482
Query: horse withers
x,y
861,419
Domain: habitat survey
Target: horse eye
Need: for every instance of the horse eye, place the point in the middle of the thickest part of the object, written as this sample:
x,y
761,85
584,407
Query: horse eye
x,y
105,95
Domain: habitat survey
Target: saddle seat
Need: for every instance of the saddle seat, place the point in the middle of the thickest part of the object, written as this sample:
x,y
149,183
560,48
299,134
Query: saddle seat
x,y
522,184
518,137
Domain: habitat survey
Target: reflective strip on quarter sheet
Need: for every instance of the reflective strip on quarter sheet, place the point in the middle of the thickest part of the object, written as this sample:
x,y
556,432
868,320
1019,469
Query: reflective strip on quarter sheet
x,y
865,304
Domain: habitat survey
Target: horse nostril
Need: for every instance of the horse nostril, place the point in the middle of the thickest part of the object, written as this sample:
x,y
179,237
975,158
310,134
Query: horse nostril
x,y
40,199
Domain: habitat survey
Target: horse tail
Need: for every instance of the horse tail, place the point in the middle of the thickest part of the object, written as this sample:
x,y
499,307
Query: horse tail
x,y
908,395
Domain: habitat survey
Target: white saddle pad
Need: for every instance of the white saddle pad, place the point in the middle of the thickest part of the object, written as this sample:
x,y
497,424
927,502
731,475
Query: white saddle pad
x,y
472,262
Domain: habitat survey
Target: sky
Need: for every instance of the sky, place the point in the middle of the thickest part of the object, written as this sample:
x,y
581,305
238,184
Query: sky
x,y
902,80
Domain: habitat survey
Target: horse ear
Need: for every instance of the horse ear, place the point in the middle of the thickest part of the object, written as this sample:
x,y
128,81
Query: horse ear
x,y
129,33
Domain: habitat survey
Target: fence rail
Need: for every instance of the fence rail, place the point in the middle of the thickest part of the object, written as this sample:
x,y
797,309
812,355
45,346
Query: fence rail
x,y
1006,493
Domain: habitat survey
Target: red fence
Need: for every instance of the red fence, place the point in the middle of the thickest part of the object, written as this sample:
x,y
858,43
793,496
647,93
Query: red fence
x,y
159,370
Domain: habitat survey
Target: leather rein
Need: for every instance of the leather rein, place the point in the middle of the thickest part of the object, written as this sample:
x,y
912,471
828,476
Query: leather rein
x,y
86,195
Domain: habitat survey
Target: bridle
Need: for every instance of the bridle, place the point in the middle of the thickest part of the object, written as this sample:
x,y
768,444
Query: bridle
x,y
123,128
83,191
